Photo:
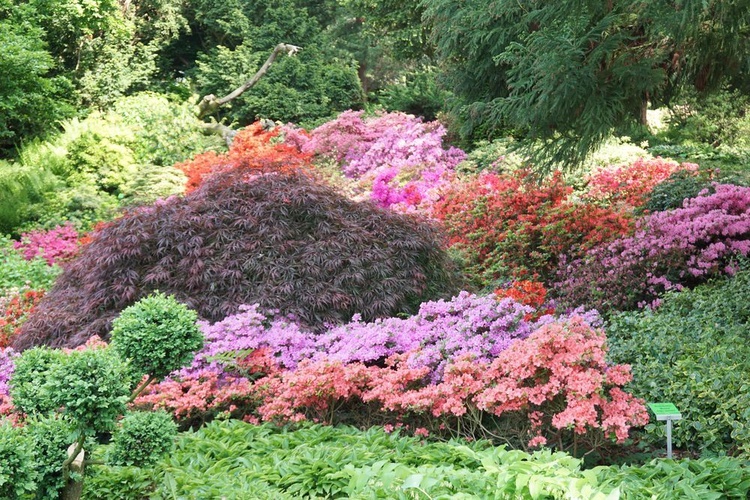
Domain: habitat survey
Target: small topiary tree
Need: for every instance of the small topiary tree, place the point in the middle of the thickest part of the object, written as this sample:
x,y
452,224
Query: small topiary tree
x,y
157,335
77,395
282,240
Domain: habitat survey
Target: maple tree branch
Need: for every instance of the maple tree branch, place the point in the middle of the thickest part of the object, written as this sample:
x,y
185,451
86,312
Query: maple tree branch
x,y
209,104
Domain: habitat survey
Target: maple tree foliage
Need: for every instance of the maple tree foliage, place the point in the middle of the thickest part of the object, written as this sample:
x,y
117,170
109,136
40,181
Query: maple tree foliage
x,y
282,240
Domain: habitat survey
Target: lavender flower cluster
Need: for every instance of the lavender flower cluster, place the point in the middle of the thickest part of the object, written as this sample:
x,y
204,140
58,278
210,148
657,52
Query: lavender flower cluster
x,y
7,367
440,332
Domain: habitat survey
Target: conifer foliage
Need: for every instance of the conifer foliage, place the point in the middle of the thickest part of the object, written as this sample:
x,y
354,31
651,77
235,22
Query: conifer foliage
x,y
277,239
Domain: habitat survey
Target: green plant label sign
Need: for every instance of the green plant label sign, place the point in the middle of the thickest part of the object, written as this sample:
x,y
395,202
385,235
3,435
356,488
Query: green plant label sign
x,y
665,411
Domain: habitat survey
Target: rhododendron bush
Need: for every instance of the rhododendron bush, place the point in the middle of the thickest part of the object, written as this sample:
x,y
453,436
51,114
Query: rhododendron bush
x,y
630,184
399,160
669,251
474,366
512,227
55,245
15,308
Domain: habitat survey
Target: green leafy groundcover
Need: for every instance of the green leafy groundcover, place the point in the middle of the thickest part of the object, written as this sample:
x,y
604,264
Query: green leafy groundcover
x,y
232,459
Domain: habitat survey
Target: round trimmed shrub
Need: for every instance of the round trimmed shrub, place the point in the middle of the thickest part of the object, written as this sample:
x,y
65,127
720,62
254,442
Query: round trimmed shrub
x,y
284,241
143,438
26,388
157,335
93,387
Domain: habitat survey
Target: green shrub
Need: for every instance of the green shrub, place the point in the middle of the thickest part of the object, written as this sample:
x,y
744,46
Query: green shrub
x,y
157,335
91,385
163,132
82,206
497,155
143,437
152,182
18,273
94,159
416,93
17,470
710,118
693,351
50,436
27,391
19,187
673,192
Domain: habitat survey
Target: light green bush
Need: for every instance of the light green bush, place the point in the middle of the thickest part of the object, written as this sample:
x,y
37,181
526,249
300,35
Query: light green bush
x,y
17,471
157,335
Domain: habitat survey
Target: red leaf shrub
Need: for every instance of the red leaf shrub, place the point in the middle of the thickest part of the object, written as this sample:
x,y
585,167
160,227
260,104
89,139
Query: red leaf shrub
x,y
515,228
631,184
280,240
254,148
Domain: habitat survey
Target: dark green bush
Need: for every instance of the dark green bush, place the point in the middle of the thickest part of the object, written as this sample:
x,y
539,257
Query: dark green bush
x,y
17,471
143,438
416,93
284,241
693,351
673,192
157,335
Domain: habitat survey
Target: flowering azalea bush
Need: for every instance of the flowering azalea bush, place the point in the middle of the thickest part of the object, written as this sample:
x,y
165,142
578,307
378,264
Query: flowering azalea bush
x,y
253,148
512,227
399,159
55,245
669,251
15,308
455,365
630,184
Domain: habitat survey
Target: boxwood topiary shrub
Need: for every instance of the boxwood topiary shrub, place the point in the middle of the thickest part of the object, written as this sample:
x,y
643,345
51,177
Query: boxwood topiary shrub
x,y
284,241
143,438
157,335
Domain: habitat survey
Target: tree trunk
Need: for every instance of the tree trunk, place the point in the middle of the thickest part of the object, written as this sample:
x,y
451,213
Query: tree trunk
x,y
643,111
74,489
